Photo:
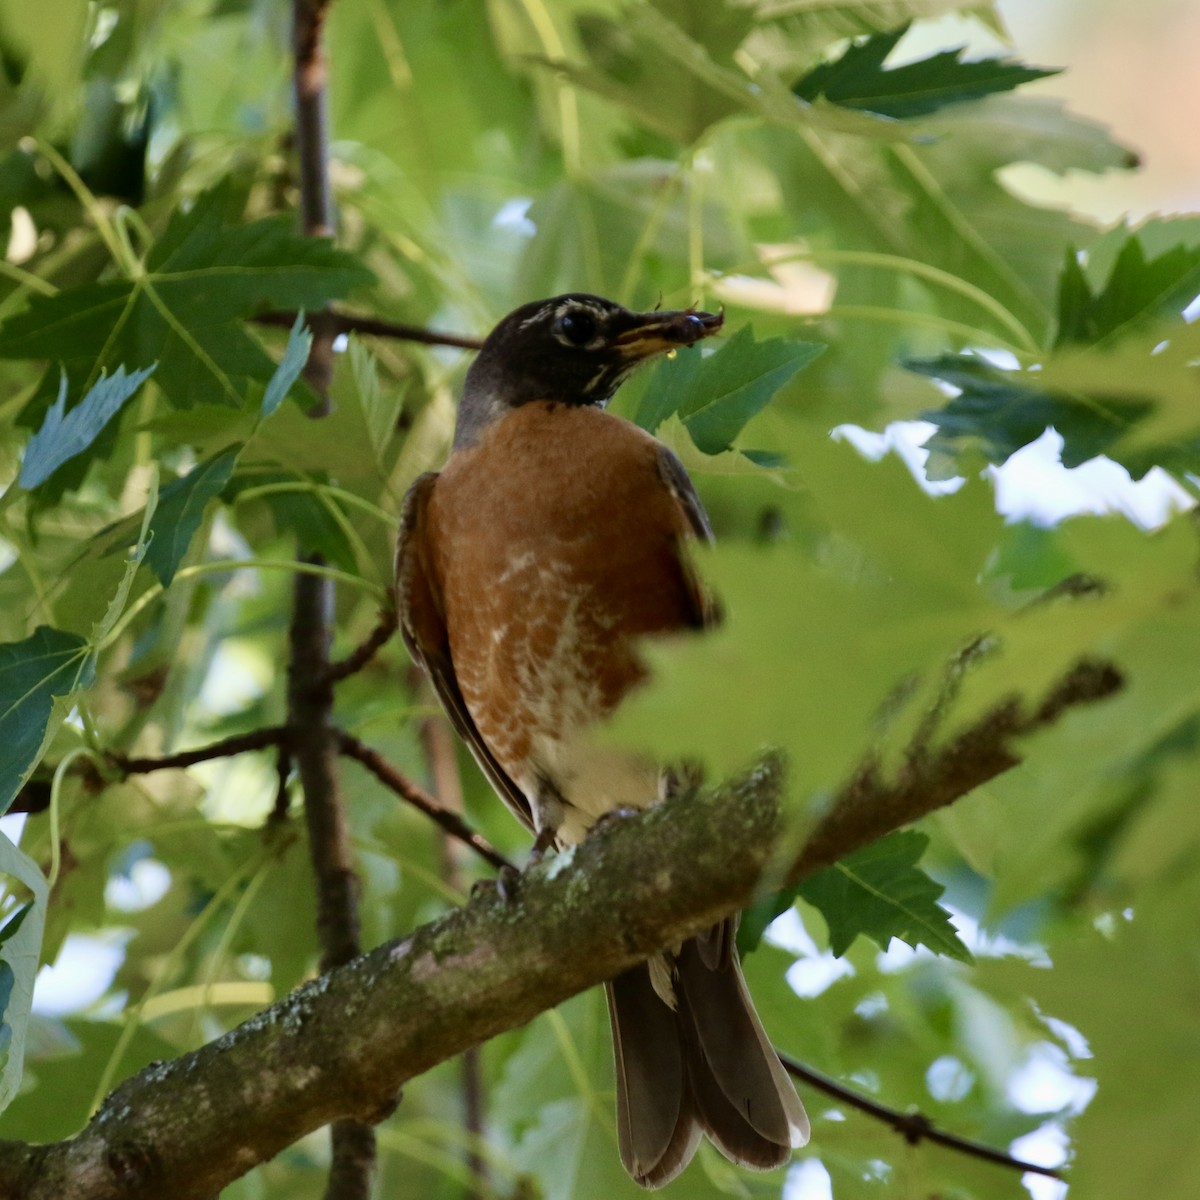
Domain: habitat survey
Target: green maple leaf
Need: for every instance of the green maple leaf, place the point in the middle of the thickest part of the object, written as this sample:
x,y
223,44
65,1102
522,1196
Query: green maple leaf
x,y
181,508
715,395
184,309
997,412
1139,287
1120,380
880,892
859,79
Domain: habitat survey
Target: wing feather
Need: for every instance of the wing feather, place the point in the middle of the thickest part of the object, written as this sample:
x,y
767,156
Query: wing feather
x,y
706,611
423,628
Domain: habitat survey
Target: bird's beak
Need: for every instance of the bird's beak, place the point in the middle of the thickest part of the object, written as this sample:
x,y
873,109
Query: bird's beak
x,y
660,332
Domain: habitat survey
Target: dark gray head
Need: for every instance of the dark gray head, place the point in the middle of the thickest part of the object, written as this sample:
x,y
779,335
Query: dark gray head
x,y
576,349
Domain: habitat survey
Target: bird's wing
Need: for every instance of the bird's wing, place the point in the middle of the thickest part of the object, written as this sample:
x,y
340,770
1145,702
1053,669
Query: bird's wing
x,y
423,627
673,473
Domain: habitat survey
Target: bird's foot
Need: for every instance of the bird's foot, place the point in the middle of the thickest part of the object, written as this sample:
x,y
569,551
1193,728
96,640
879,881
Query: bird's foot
x,y
508,883
508,879
543,842
505,885
686,775
612,816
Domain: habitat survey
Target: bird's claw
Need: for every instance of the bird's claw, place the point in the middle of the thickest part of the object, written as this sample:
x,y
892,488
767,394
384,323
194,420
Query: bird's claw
x,y
612,817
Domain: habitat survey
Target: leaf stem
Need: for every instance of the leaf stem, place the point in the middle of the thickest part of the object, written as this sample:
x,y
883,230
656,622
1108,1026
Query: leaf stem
x,y
119,250
908,160
221,950
225,565
568,102
910,266
60,773
697,277
325,497
27,279
897,316
666,194
315,487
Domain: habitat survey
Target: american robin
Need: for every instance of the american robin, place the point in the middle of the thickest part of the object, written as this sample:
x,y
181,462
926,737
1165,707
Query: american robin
x,y
528,570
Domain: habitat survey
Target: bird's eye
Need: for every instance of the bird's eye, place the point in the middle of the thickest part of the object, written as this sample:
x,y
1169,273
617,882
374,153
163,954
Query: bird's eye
x,y
577,327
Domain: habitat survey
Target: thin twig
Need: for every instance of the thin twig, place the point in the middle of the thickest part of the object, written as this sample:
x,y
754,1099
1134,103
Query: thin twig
x,y
366,650
914,1127
257,739
416,795
336,323
283,769
948,767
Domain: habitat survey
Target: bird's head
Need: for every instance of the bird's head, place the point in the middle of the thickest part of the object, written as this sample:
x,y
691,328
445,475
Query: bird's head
x,y
576,349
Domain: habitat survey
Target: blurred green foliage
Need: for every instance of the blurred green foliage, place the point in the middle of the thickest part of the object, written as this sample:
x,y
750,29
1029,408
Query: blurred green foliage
x,y
733,152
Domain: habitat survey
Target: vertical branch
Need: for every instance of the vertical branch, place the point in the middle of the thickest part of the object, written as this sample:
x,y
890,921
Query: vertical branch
x,y
438,744
310,691
312,147
312,125
310,702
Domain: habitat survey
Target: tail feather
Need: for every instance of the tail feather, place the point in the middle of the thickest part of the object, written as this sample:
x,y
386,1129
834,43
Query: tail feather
x,y
704,1066
657,1129
728,1049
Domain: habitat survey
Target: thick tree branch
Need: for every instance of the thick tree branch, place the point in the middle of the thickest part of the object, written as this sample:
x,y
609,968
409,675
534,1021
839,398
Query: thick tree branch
x,y
342,1045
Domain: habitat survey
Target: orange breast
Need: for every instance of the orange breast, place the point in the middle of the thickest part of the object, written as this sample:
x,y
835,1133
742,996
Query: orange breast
x,y
556,545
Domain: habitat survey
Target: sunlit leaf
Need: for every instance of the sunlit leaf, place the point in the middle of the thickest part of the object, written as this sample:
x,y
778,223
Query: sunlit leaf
x,y
63,434
804,638
1132,965
380,407
20,942
295,356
